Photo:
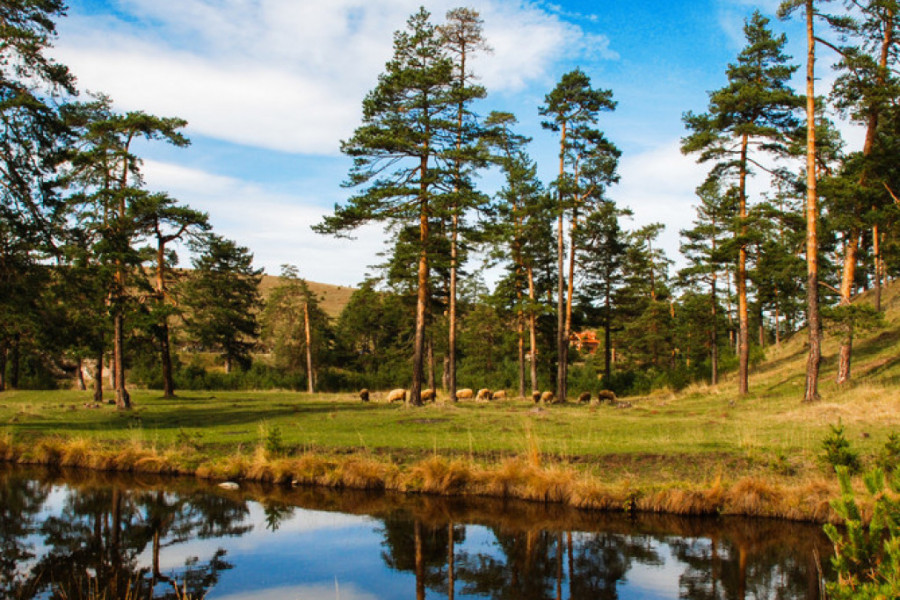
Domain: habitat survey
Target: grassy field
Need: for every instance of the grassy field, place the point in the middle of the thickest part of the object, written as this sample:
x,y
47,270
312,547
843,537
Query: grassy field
x,y
700,450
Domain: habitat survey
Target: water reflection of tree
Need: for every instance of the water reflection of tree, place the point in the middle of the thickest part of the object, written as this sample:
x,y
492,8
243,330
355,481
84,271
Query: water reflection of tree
x,y
409,545
20,502
94,546
747,562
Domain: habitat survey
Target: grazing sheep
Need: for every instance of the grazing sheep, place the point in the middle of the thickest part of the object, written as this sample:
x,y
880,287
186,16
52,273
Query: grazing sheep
x,y
547,397
429,395
364,395
484,395
536,396
584,397
398,395
500,395
606,396
464,394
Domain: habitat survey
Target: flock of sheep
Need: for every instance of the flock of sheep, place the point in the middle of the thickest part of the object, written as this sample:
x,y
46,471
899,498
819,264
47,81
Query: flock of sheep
x,y
486,395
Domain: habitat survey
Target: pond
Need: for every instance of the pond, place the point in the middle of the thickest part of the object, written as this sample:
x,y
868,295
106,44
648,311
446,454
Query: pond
x,y
78,535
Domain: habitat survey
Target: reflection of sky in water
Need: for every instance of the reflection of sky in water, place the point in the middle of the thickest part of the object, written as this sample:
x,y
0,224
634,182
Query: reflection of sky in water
x,y
317,555
324,555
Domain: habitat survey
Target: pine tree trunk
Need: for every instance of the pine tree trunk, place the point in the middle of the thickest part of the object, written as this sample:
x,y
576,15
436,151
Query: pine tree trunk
x,y
520,333
848,277
607,337
570,292
714,334
741,280
123,399
451,337
166,359
562,340
310,377
814,359
98,379
79,375
879,265
3,355
777,321
164,345
15,361
431,378
415,392
445,374
532,329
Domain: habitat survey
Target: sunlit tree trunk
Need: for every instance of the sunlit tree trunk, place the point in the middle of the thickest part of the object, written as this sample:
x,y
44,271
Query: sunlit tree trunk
x,y
562,338
741,280
532,329
814,359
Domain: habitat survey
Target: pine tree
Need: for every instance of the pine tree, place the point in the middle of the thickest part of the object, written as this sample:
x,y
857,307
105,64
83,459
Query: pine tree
x,y
164,221
294,326
462,36
813,318
518,205
587,166
222,300
864,91
31,134
707,249
752,115
104,166
400,151
601,258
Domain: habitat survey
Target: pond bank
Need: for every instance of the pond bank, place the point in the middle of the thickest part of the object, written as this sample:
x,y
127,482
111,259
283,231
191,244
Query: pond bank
x,y
521,478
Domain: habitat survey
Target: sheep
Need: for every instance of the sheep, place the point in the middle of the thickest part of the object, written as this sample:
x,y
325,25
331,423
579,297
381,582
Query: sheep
x,y
547,397
464,394
484,395
584,397
536,396
429,395
398,395
606,396
500,395
364,395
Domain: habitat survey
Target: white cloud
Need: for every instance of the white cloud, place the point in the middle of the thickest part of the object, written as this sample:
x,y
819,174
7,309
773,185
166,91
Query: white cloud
x,y
283,74
274,226
321,591
658,186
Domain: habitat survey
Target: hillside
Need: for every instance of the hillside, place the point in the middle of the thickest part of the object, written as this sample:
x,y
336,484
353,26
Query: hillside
x,y
333,297
876,357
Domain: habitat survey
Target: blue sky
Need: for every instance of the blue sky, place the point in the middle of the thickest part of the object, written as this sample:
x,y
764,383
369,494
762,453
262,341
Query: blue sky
x,y
270,87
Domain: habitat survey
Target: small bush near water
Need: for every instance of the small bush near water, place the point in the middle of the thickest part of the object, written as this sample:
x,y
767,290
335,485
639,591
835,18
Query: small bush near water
x,y
867,558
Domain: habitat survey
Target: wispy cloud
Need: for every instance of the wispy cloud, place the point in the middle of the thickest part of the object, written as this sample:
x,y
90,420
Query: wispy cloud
x,y
282,74
275,226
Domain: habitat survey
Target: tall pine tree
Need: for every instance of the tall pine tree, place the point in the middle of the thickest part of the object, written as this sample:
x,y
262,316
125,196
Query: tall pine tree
x,y
399,152
748,118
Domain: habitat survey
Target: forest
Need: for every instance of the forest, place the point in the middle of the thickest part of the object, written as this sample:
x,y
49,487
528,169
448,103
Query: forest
x,y
92,287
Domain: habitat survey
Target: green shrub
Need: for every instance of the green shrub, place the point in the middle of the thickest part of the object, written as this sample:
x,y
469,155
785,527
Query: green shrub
x,y
838,452
866,558
889,457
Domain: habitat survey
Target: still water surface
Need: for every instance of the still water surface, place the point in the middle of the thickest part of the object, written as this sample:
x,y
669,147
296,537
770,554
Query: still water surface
x,y
77,535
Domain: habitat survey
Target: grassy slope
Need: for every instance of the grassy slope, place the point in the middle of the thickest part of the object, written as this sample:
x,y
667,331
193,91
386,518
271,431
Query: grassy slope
x,y
333,298
703,439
